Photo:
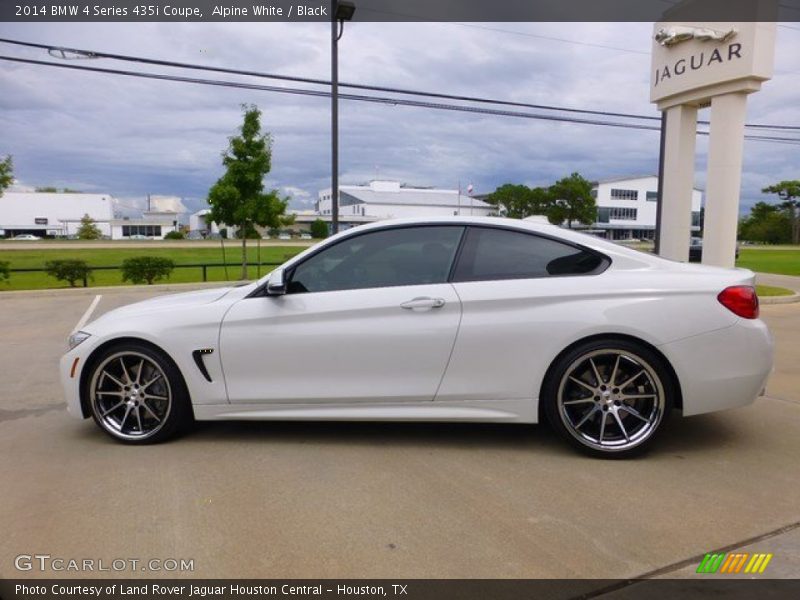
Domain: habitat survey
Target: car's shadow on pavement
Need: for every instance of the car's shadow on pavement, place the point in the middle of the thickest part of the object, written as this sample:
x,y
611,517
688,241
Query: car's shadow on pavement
x,y
701,433
680,438
373,433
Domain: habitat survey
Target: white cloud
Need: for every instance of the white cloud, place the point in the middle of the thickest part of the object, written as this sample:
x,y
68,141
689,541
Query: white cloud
x,y
167,204
298,198
16,186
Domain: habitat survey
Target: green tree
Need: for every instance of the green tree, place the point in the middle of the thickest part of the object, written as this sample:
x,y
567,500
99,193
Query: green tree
x,y
252,233
319,229
88,230
789,192
541,202
5,273
572,201
238,197
510,200
146,269
69,270
175,235
766,223
519,201
6,173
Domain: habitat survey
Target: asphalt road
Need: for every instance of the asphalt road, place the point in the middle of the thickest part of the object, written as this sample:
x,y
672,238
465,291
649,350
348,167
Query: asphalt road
x,y
383,500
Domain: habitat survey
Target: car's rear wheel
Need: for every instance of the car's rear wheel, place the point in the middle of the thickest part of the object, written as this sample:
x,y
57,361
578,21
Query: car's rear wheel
x,y
137,394
610,398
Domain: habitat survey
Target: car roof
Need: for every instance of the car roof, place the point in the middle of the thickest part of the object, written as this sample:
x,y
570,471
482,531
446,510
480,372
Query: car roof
x,y
536,226
621,256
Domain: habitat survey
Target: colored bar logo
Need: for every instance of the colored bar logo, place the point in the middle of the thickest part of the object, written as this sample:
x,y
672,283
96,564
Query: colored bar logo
x,y
734,562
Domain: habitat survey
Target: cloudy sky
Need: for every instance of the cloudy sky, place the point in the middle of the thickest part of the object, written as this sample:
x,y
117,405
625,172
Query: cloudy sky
x,y
130,137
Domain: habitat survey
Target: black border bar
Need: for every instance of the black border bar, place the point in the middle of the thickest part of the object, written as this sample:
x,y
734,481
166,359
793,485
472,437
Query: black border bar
x,y
399,589
400,10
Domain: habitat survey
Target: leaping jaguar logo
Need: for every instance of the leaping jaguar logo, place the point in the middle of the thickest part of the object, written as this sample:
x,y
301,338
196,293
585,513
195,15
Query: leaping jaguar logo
x,y
669,36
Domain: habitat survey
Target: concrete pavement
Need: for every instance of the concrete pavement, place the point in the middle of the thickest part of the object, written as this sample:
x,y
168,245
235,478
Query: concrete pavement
x,y
383,500
784,544
785,281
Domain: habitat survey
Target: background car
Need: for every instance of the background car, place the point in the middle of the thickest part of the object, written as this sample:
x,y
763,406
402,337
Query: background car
x,y
449,319
25,237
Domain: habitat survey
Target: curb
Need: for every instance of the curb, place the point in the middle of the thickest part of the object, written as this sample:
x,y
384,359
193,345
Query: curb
x,y
779,299
119,289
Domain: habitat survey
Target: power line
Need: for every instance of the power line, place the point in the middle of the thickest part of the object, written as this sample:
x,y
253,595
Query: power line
x,y
373,99
314,81
550,38
373,88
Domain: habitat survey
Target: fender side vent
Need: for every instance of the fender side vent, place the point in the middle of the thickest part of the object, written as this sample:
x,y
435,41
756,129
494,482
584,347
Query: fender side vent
x,y
198,360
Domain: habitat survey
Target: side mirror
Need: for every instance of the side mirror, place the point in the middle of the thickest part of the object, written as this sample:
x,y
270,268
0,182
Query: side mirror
x,y
276,284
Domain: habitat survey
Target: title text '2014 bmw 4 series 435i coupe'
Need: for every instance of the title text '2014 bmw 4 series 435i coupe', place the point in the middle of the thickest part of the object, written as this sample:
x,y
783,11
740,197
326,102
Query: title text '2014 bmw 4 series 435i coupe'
x,y
442,319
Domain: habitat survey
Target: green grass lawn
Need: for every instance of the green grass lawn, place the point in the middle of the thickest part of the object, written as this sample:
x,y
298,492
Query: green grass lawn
x,y
30,259
771,290
783,260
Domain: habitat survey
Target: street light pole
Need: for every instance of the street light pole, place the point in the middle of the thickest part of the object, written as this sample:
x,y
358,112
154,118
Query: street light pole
x,y
341,11
334,118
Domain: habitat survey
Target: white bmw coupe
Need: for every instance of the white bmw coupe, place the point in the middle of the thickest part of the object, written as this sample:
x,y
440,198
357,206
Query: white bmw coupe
x,y
444,319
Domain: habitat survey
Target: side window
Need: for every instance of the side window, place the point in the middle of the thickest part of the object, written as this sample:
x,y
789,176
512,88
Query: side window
x,y
490,253
392,257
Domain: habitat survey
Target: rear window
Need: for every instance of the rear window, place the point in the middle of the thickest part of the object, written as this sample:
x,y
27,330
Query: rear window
x,y
491,253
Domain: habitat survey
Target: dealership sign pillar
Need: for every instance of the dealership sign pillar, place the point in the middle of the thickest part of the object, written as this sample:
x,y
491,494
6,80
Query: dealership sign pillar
x,y
678,185
696,65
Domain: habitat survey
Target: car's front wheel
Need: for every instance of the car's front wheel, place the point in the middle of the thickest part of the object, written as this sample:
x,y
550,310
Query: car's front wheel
x,y
609,397
137,395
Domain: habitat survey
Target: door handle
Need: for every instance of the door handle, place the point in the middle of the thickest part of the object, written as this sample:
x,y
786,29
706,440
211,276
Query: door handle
x,y
423,302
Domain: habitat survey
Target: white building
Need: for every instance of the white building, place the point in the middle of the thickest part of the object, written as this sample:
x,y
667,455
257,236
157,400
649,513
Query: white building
x,y
199,222
154,224
627,207
304,218
46,214
389,199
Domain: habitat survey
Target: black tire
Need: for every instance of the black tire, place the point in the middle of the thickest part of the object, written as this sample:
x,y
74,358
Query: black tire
x,y
608,418
125,390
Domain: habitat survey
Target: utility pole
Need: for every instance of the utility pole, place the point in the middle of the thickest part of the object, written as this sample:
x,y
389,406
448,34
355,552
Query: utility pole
x,y
334,118
341,11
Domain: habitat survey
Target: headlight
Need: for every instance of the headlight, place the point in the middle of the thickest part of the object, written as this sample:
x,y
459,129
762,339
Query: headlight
x,y
76,338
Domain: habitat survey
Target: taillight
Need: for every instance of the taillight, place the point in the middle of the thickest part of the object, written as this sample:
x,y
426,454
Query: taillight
x,y
741,300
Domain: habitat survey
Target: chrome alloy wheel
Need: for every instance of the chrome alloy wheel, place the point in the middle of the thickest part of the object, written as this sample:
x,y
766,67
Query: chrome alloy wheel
x,y
611,400
130,395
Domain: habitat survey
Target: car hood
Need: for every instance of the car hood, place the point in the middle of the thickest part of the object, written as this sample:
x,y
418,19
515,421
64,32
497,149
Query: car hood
x,y
183,299
166,303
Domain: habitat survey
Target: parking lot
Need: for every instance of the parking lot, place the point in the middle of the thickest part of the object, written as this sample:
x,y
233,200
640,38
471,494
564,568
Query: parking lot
x,y
384,500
